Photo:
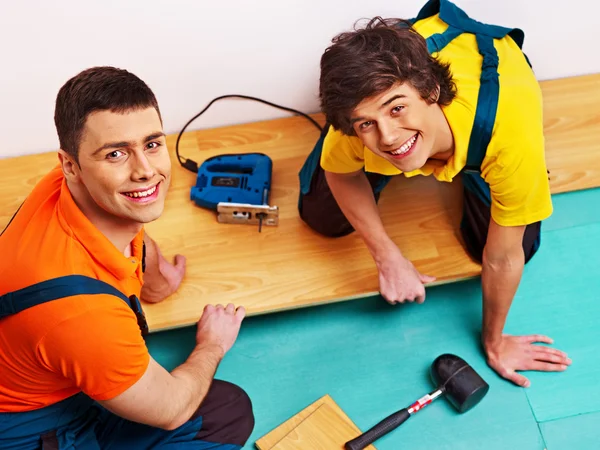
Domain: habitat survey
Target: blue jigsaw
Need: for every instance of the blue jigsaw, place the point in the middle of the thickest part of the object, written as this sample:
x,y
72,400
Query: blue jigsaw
x,y
237,186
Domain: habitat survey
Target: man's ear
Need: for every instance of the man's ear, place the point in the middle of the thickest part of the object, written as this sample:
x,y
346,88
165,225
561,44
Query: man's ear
x,y
70,167
435,94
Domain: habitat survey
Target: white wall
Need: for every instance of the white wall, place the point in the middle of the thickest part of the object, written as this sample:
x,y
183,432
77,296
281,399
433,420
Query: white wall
x,y
190,51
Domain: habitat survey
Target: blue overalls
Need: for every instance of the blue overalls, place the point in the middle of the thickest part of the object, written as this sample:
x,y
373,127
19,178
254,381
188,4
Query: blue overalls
x,y
78,422
485,115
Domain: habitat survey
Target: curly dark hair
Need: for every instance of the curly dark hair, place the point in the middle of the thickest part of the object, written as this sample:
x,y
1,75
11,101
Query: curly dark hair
x,y
368,61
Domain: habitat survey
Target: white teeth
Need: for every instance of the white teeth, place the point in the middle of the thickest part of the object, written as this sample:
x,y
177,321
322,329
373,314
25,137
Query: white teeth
x,y
141,194
406,147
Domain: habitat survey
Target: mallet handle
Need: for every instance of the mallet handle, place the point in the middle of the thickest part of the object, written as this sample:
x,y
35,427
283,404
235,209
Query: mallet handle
x,y
389,423
383,427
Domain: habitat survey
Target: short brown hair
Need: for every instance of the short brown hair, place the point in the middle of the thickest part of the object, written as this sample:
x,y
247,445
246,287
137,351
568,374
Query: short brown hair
x,y
369,61
97,89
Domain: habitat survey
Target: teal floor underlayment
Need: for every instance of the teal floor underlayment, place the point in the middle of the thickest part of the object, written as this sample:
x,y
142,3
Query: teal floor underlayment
x,y
374,359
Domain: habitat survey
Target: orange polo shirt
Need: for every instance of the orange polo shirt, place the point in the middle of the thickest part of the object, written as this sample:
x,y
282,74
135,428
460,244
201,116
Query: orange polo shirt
x,y
88,343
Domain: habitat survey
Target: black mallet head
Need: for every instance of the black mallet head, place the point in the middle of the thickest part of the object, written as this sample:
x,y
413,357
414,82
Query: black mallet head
x,y
463,387
453,377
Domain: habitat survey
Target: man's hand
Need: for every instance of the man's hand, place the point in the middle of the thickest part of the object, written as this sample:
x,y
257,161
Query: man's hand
x,y
172,273
219,327
161,278
399,281
168,400
512,353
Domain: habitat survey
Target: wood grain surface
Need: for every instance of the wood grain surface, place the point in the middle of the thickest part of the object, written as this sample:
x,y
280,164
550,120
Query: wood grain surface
x,y
290,266
320,426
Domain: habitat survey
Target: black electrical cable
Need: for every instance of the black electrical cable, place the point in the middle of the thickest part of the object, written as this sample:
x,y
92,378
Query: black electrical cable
x,y
193,165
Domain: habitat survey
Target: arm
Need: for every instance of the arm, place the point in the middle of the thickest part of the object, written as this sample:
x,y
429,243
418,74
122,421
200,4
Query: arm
x,y
398,278
503,262
161,278
167,400
355,197
502,267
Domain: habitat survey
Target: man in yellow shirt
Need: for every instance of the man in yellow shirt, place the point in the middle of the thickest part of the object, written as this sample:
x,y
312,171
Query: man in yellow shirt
x,y
440,95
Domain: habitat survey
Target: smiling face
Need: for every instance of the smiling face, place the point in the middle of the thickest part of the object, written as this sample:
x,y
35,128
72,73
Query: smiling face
x,y
402,127
124,168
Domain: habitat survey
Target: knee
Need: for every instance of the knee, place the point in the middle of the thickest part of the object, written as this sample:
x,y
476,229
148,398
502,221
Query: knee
x,y
328,221
240,410
327,228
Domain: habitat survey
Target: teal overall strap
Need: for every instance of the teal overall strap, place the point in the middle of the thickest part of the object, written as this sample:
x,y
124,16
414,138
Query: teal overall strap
x,y
67,286
436,42
312,162
485,117
487,103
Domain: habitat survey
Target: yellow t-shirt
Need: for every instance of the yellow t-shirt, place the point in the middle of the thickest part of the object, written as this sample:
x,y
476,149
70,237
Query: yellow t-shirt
x,y
514,166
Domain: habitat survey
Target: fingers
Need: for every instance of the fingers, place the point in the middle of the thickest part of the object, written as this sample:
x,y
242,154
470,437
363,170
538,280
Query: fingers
x,y
547,367
420,298
426,278
395,299
544,359
551,355
536,338
240,313
179,261
518,379
393,296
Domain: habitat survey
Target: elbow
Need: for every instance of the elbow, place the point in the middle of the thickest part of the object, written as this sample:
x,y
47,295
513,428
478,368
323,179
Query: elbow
x,y
171,426
182,416
174,423
503,260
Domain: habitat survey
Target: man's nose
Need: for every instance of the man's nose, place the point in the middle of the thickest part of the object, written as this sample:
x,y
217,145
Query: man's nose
x,y
388,134
143,168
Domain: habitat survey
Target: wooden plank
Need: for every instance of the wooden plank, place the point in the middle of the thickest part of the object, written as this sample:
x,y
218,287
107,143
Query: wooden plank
x,y
290,266
572,130
320,425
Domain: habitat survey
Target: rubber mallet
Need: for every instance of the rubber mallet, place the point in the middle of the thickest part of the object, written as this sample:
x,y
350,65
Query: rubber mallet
x,y
454,378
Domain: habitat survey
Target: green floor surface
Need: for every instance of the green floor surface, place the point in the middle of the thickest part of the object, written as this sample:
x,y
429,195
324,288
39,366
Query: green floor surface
x,y
374,359
574,209
573,433
560,297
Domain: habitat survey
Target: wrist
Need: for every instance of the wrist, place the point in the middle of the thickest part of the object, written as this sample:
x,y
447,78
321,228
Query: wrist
x,y
381,248
211,348
491,344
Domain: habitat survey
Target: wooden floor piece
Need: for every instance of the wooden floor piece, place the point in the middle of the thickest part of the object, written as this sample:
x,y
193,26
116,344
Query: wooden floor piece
x,y
572,130
321,426
290,266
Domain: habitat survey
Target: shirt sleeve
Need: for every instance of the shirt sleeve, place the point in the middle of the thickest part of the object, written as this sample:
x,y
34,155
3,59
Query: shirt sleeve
x,y
100,350
519,184
342,153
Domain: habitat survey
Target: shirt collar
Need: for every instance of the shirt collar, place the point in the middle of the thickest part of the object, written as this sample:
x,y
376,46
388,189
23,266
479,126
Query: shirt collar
x,y
97,244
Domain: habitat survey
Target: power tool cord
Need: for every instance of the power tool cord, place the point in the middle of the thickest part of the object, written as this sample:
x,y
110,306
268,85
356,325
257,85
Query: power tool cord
x,y
193,165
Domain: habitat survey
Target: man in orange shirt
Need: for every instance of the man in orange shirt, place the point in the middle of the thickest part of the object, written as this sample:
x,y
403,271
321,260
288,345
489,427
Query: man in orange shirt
x,y
74,368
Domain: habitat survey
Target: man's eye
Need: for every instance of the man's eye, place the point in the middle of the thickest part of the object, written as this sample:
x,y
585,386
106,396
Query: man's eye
x,y
397,109
114,154
365,125
153,145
